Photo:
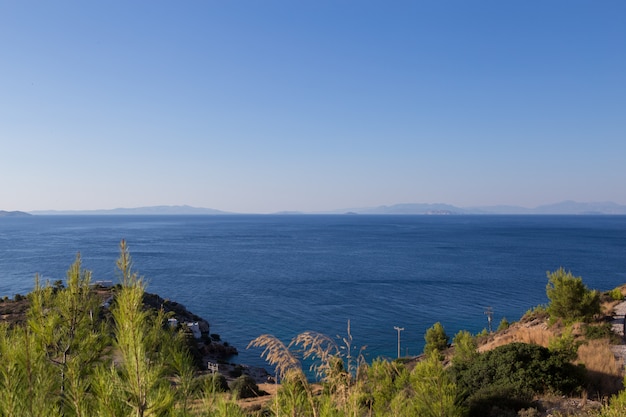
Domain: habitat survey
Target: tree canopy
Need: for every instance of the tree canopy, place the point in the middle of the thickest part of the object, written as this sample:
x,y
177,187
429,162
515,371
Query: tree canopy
x,y
570,299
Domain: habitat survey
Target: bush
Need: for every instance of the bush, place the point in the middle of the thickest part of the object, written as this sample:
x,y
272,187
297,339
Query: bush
x,y
498,400
602,331
465,348
565,345
504,324
539,312
245,387
570,299
210,383
515,372
616,294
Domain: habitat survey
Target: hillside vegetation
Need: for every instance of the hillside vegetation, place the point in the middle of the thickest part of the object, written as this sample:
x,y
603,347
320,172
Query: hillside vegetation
x,y
71,350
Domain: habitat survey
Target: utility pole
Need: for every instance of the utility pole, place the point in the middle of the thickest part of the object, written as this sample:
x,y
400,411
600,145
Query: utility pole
x,y
489,313
399,329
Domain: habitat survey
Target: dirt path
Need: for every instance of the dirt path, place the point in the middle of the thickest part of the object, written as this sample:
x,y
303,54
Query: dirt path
x,y
617,323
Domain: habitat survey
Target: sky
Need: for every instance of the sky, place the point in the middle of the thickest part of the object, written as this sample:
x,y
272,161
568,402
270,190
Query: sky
x,y
265,106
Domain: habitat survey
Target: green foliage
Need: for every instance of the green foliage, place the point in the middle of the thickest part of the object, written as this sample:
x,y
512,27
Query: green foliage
x,y
616,294
570,299
516,372
383,381
60,363
220,406
65,322
210,383
504,324
28,381
294,397
539,312
245,387
141,341
616,407
436,339
497,400
565,345
434,389
601,331
465,348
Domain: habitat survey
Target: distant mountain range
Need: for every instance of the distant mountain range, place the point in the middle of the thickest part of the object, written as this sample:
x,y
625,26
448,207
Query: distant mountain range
x,y
160,210
565,207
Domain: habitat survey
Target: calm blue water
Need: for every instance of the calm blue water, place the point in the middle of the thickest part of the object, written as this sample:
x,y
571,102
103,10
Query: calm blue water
x,y
249,275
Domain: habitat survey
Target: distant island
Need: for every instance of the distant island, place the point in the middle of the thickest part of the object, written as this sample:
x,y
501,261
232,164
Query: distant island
x,y
151,210
564,207
4,213
435,209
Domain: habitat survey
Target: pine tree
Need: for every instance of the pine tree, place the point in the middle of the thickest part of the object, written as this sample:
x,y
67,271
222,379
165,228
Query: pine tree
x,y
436,339
28,386
435,391
570,299
137,337
65,322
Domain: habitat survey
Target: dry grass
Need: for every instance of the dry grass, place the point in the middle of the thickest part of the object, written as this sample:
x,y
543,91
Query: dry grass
x,y
538,333
605,371
277,354
317,346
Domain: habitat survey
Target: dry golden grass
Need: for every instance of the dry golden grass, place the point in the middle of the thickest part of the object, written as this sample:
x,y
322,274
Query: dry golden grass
x,y
605,371
535,333
277,354
597,355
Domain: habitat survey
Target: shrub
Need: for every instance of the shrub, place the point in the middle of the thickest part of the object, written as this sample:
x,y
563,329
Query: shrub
x,y
245,387
565,345
539,312
434,389
515,372
616,294
498,400
601,331
504,324
465,348
210,383
383,381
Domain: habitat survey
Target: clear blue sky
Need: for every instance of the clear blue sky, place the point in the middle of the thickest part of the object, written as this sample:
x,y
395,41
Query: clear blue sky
x,y
261,106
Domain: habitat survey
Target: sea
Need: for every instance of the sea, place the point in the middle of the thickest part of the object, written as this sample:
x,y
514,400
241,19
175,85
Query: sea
x,y
249,275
